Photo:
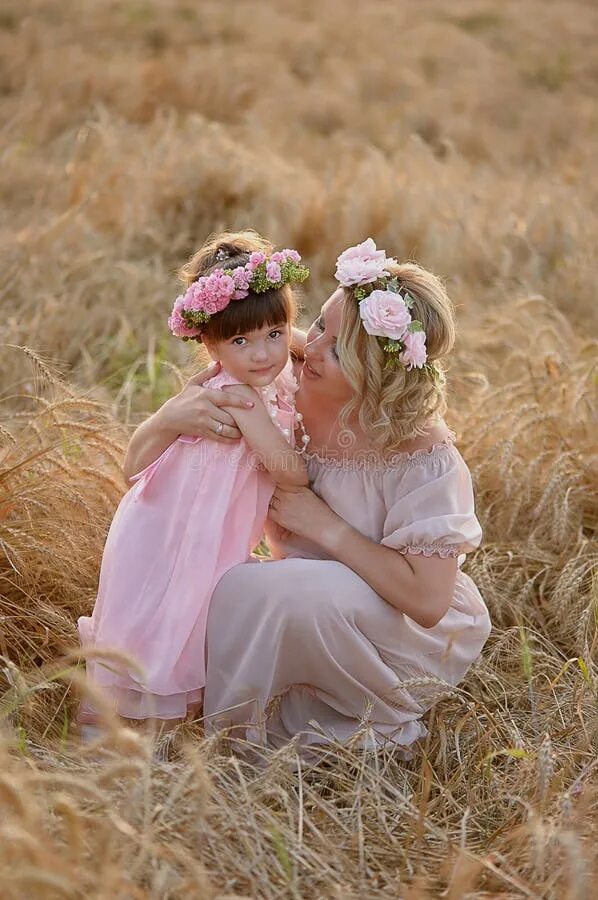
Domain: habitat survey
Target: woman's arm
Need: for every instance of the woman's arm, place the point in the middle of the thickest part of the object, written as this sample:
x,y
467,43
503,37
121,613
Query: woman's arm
x,y
420,586
273,451
195,410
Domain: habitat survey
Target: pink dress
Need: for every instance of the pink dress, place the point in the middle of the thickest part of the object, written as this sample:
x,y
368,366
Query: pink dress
x,y
192,514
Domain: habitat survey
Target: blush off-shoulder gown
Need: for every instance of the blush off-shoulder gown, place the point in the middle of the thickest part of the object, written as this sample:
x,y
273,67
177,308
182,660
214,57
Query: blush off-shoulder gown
x,y
192,514
312,649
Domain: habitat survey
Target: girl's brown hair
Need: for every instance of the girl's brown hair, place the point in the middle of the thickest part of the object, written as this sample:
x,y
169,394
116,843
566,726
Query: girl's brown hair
x,y
274,307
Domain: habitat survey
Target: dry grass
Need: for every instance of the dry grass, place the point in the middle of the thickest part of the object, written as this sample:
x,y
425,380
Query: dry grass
x,y
461,134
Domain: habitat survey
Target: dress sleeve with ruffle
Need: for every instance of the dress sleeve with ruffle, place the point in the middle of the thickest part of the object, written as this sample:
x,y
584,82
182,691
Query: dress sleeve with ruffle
x,y
430,505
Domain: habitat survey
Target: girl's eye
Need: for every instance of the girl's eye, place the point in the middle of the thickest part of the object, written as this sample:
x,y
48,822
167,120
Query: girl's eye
x,y
319,323
276,333
236,341
334,352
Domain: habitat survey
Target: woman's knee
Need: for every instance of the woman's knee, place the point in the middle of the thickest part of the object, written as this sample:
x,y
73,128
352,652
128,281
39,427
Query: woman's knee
x,y
319,594
295,595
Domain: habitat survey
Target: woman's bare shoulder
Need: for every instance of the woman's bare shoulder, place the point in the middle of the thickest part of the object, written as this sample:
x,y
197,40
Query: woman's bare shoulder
x,y
436,433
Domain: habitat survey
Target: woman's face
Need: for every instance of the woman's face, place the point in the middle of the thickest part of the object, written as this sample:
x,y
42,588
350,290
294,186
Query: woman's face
x,y
322,374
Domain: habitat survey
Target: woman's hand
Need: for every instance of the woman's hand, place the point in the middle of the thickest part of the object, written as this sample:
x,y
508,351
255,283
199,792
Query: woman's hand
x,y
305,514
418,586
198,411
195,410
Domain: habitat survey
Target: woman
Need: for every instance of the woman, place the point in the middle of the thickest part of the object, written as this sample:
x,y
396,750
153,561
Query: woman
x,y
365,600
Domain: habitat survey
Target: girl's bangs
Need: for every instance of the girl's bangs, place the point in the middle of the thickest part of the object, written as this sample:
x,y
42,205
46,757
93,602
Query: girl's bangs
x,y
254,312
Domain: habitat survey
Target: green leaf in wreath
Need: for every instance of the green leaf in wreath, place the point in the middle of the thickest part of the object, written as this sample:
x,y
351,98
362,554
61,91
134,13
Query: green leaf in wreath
x,y
392,346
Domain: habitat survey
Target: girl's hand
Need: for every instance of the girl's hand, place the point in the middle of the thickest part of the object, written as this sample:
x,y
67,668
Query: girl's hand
x,y
305,514
198,411
269,447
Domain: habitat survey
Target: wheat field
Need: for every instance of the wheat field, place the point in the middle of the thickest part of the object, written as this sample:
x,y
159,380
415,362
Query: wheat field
x,y
461,134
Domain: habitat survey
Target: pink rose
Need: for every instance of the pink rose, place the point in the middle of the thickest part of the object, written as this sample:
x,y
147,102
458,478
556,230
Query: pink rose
x,y
242,278
178,305
179,327
217,292
273,271
385,314
192,300
256,259
361,264
210,294
213,304
282,256
221,282
414,353
290,255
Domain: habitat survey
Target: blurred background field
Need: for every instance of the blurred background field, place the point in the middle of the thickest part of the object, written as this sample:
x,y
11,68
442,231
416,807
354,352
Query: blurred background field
x,y
461,134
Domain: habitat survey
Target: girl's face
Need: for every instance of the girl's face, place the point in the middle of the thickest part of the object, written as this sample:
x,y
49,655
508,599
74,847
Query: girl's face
x,y
321,373
254,358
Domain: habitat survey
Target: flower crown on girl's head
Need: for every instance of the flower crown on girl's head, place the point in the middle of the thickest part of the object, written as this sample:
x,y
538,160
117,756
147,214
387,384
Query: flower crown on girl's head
x,y
384,310
212,293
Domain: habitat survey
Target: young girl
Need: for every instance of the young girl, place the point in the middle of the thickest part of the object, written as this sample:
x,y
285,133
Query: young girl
x,y
200,508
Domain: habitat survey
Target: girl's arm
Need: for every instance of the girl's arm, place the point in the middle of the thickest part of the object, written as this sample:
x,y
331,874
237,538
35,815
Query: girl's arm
x,y
273,451
421,587
147,442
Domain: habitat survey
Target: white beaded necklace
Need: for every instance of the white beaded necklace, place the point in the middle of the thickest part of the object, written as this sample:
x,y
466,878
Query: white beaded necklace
x,y
305,438
269,394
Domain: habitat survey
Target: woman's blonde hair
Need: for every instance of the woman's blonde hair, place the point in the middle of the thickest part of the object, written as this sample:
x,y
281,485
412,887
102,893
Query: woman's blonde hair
x,y
391,403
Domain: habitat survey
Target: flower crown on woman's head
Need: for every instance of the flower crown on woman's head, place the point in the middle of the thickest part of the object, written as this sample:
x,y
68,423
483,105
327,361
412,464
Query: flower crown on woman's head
x,y
384,310
212,293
